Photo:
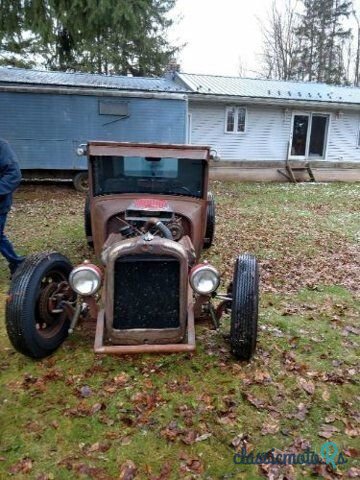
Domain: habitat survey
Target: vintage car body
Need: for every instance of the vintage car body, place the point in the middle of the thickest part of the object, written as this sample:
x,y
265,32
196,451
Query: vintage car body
x,y
148,216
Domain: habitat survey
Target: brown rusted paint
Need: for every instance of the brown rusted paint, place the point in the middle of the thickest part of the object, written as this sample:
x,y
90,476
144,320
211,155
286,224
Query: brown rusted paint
x,y
148,150
105,207
100,347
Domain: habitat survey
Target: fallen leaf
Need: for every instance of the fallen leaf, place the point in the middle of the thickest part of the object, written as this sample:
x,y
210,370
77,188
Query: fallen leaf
x,y
203,437
97,407
24,466
353,472
189,437
308,386
330,418
327,431
302,411
271,428
351,430
352,452
254,401
121,379
325,395
164,474
127,470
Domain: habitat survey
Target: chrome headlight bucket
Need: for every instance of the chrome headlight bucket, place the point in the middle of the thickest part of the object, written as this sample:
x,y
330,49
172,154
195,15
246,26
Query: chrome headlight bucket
x,y
85,279
204,279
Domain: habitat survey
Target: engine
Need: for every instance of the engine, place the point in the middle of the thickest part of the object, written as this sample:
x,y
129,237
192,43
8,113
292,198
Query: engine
x,y
144,215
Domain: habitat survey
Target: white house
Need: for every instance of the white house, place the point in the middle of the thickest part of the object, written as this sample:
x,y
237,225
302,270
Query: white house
x,y
256,125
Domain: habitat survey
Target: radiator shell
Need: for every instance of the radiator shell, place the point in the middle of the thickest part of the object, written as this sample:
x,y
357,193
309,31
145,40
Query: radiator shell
x,y
148,328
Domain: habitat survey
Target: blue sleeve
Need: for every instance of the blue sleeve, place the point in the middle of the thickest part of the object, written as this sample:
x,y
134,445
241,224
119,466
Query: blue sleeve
x,y
10,175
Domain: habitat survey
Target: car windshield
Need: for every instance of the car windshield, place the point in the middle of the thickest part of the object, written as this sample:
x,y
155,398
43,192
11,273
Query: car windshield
x,y
167,176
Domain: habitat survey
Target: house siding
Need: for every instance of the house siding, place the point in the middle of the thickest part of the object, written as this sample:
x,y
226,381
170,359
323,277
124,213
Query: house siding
x,y
45,129
267,133
343,137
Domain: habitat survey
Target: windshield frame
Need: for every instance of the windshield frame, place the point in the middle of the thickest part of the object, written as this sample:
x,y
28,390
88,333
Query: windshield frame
x,y
137,179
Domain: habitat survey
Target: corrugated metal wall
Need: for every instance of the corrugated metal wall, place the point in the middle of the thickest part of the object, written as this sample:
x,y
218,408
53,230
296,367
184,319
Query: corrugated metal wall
x,y
267,133
45,129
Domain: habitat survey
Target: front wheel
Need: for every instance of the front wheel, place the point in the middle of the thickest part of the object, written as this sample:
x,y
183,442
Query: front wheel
x,y
244,310
87,223
36,323
210,221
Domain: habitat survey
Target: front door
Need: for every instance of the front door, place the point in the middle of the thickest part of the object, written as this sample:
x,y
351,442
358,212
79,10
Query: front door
x,y
308,136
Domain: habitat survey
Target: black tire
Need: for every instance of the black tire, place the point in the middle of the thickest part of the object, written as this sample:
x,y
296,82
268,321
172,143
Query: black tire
x,y
244,309
23,308
87,223
210,221
81,182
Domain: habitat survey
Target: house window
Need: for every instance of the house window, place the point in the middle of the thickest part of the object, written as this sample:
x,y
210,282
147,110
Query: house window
x,y
235,119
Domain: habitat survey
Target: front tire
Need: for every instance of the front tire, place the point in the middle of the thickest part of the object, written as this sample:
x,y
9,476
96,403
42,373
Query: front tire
x,y
33,329
244,310
87,223
210,221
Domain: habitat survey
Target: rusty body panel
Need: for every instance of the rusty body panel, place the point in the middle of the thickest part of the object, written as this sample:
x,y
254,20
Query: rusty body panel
x,y
105,207
147,150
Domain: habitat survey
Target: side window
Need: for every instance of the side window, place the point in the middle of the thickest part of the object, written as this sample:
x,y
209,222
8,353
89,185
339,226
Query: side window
x,y
235,119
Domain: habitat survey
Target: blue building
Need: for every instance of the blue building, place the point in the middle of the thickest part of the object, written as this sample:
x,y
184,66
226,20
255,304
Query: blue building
x,y
46,115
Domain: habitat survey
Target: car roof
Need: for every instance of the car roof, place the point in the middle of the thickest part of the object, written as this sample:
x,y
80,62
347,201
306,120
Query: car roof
x,y
107,148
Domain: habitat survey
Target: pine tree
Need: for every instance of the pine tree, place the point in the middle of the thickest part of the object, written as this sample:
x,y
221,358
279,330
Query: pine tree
x,y
97,36
321,37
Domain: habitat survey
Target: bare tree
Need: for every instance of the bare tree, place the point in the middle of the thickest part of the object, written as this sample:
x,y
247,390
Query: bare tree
x,y
357,58
280,43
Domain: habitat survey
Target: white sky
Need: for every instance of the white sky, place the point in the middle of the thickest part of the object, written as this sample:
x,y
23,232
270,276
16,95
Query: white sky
x,y
219,34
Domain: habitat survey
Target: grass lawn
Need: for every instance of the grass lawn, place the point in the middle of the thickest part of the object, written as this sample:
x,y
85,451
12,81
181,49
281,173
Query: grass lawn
x,y
78,415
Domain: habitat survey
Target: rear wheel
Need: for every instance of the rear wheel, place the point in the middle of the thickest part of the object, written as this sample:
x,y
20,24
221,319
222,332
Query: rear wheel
x,y
35,321
244,309
210,221
87,223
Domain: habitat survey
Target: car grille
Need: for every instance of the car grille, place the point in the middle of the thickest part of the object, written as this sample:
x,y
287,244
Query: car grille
x,y
146,292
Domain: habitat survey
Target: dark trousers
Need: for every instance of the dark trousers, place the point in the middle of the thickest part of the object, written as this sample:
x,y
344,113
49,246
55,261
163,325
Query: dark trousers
x,y
6,248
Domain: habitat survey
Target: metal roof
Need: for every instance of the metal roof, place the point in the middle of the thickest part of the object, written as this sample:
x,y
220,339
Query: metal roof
x,y
269,89
36,77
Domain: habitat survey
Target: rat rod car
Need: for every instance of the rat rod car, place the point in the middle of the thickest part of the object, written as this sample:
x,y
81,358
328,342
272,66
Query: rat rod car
x,y
148,216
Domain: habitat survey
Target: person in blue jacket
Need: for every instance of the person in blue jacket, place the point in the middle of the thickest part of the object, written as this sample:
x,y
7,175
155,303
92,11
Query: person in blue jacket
x,y
10,177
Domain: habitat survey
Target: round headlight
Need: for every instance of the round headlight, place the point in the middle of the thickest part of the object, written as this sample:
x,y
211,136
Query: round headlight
x,y
204,279
85,279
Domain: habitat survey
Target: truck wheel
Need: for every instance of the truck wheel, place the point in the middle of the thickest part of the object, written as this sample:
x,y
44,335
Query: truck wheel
x,y
35,323
210,221
87,223
244,309
81,182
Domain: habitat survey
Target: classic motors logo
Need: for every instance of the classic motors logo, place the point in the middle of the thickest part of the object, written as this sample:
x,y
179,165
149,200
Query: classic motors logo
x,y
329,454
